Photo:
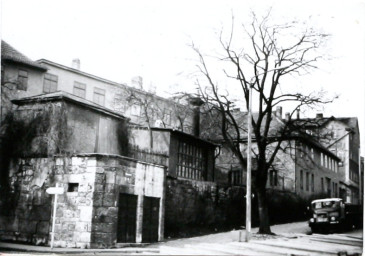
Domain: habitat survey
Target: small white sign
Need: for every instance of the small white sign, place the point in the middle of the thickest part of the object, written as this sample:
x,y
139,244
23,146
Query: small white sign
x,y
55,190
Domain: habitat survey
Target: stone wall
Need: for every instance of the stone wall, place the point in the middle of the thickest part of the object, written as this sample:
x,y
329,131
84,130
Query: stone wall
x,y
87,212
121,175
25,209
195,207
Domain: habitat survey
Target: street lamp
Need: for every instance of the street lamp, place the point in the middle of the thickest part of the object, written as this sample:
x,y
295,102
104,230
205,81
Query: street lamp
x,y
248,179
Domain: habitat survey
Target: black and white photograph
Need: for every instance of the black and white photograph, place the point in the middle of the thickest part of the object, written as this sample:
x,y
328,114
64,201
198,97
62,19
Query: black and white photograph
x,y
182,127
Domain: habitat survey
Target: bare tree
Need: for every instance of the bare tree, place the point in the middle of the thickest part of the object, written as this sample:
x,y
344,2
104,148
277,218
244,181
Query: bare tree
x,y
262,63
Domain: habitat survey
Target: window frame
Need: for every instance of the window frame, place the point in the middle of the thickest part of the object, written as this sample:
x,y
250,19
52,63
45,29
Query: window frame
x,y
23,76
99,94
79,87
50,80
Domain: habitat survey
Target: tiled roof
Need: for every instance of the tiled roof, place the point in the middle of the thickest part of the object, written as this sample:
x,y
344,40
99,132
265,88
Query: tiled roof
x,y
9,53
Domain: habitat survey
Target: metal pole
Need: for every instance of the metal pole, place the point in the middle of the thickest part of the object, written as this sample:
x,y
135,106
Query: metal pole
x,y
248,179
54,217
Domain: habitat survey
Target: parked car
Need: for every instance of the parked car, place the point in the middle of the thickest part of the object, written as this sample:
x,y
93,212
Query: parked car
x,y
333,214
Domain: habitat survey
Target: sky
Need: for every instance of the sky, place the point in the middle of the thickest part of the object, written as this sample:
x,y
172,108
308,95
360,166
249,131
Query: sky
x,y
117,40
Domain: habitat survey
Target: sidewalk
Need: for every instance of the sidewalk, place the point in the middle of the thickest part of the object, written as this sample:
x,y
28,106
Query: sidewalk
x,y
46,249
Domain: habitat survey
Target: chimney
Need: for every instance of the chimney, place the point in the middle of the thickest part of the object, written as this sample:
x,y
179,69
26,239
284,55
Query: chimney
x,y
319,115
279,112
287,116
298,113
137,82
196,102
76,64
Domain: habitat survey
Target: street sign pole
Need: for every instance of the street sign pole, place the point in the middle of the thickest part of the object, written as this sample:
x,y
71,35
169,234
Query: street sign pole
x,y
248,178
54,217
54,191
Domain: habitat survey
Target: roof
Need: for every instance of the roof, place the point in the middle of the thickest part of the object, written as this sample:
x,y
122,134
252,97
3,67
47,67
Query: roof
x,y
326,200
9,53
61,95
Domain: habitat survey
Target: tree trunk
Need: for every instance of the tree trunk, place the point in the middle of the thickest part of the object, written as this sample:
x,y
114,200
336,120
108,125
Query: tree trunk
x,y
263,211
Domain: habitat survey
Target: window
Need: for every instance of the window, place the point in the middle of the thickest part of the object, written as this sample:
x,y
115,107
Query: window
x,y
312,153
322,185
73,187
301,179
273,178
192,161
235,177
312,183
307,181
325,161
336,193
22,80
79,89
50,83
321,159
99,96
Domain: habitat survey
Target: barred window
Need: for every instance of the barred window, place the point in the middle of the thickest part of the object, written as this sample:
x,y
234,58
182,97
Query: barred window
x,y
235,177
22,80
99,96
50,83
79,89
192,161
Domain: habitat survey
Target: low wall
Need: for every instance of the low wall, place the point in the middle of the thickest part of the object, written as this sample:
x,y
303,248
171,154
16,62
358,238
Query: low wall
x,y
195,207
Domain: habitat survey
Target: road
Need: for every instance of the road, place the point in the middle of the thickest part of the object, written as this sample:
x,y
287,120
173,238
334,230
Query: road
x,y
291,239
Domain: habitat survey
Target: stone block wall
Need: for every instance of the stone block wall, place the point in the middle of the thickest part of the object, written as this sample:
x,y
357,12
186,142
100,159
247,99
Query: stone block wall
x,y
194,207
121,175
25,209
87,212
74,208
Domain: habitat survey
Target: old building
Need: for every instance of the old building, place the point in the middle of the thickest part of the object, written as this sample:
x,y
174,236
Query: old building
x,y
20,77
342,137
81,146
142,107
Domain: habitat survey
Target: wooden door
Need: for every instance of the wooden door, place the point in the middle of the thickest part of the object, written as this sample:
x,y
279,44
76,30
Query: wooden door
x,y
151,206
127,213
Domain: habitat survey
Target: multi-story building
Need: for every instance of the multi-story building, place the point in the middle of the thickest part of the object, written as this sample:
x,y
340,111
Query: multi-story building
x,y
22,77
142,107
302,166
342,137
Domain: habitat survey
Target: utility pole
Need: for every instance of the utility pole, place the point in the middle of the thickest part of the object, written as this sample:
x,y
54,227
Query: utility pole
x,y
248,179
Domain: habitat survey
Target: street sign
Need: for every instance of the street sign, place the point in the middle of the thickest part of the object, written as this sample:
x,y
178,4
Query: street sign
x,y
55,190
